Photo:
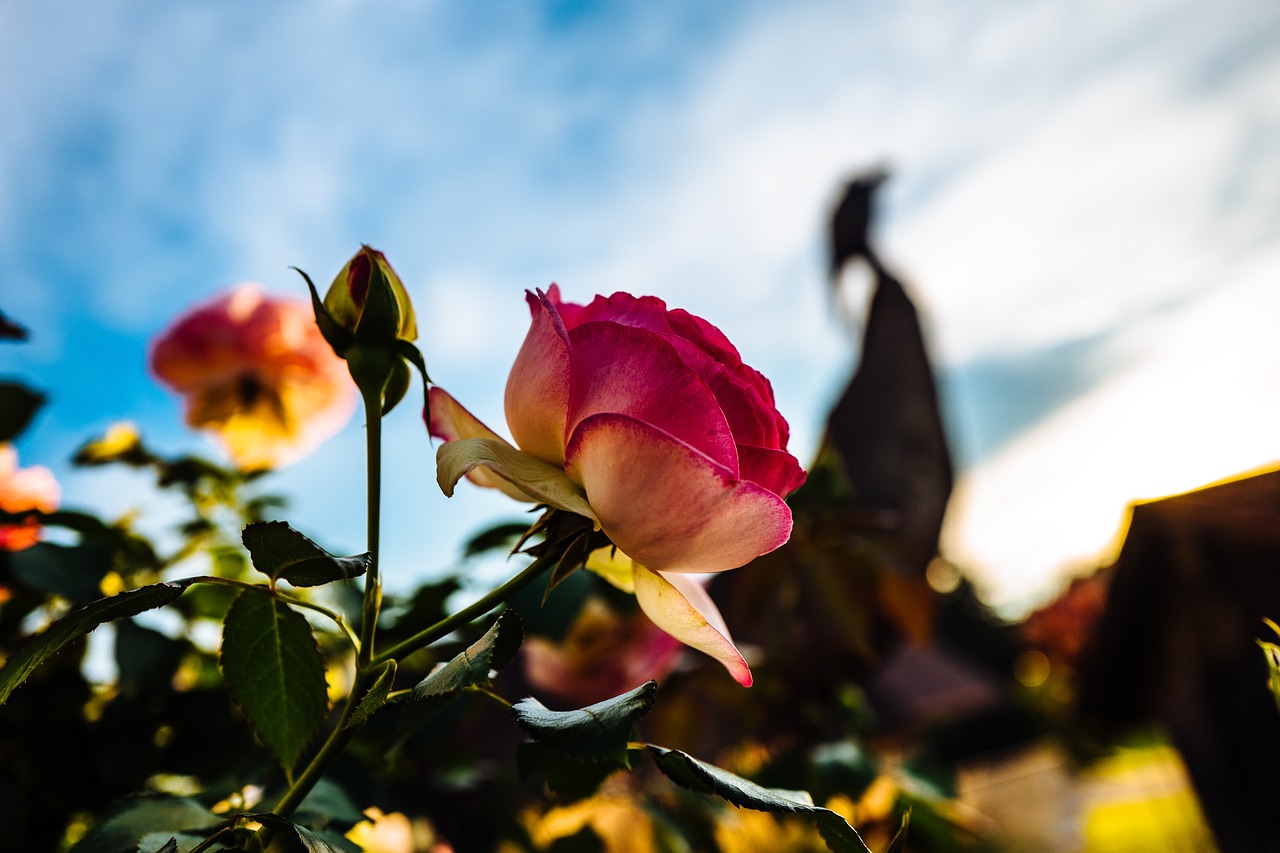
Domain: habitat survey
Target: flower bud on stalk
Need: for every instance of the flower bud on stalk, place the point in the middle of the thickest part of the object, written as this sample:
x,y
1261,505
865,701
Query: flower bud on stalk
x,y
367,318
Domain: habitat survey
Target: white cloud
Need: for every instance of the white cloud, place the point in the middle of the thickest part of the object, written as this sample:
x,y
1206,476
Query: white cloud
x,y
1201,404
1060,169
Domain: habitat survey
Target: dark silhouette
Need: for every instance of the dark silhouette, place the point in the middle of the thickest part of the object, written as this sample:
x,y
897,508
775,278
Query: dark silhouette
x,y
887,427
1176,645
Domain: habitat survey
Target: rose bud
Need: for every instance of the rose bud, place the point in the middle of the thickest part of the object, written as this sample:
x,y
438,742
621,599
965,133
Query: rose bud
x,y
647,421
368,300
369,322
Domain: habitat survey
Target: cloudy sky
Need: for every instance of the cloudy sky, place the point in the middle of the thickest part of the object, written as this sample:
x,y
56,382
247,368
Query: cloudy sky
x,y
1085,202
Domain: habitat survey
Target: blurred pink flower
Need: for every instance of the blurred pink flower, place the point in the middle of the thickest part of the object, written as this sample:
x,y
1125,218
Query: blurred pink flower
x,y
257,374
23,490
604,653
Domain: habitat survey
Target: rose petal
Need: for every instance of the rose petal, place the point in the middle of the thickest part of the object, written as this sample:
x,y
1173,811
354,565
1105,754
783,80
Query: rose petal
x,y
667,505
451,422
541,481
569,311
750,418
776,470
642,312
537,396
681,606
636,372
614,566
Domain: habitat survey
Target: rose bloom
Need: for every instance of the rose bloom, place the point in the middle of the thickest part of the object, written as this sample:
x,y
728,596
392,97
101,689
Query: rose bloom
x,y
257,374
23,490
647,421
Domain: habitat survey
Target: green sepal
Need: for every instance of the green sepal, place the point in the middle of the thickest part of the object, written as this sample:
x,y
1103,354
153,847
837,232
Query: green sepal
x,y
275,672
573,558
18,405
695,775
602,730
397,386
80,622
282,553
338,336
411,354
379,322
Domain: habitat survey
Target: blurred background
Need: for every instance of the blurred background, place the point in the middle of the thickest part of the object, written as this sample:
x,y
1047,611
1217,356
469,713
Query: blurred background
x,y
1085,202
1083,205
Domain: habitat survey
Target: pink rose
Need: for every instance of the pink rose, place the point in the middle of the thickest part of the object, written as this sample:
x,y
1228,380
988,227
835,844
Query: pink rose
x,y
647,421
257,373
23,490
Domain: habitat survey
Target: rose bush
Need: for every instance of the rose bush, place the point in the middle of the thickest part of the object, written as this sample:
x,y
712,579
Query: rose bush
x,y
647,421
257,373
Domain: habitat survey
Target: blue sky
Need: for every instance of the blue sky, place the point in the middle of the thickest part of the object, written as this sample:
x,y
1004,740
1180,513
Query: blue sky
x,y
1085,201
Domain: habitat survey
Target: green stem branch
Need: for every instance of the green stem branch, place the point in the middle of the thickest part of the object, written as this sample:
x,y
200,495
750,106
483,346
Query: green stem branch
x,y
373,503
337,618
451,623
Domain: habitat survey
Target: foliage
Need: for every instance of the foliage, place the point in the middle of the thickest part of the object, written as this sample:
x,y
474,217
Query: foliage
x,y
264,693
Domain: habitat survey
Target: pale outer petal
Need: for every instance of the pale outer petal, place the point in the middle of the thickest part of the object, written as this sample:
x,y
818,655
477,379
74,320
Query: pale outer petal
x,y
541,481
668,506
687,613
451,421
537,395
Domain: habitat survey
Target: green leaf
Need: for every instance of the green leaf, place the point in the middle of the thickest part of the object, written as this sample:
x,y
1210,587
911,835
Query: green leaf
x,y
327,803
899,842
80,622
72,571
18,405
304,839
601,730
168,842
275,672
688,772
584,840
375,698
471,666
10,330
124,827
280,552
502,536
568,777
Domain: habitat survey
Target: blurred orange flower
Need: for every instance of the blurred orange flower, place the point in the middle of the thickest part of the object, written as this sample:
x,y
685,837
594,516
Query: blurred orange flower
x,y
23,490
256,373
